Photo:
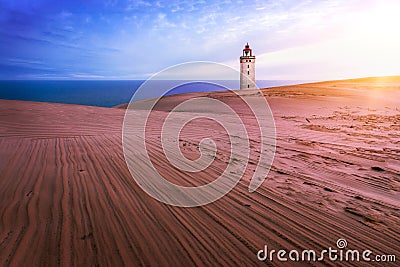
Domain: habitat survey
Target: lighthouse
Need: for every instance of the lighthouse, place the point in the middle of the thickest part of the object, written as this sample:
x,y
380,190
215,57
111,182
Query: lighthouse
x,y
247,69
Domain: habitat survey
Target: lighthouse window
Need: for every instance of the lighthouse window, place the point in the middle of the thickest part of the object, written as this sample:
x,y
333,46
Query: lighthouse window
x,y
250,60
248,66
248,72
248,86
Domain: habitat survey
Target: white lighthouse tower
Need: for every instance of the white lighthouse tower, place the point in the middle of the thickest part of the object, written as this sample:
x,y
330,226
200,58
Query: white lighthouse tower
x,y
247,69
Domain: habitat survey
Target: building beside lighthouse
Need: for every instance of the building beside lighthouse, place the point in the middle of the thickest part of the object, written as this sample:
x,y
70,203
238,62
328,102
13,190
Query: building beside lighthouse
x,y
247,69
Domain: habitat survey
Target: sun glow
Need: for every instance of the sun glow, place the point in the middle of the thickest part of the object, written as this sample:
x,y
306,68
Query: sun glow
x,y
377,29
364,43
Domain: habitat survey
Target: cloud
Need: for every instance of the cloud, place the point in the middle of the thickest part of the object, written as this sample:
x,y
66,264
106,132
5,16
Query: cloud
x,y
65,15
118,38
36,64
136,4
163,22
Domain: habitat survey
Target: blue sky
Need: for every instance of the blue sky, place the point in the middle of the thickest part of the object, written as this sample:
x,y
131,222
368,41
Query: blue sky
x,y
115,39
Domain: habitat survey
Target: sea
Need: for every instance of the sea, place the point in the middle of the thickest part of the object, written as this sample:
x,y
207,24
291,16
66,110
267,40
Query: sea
x,y
103,93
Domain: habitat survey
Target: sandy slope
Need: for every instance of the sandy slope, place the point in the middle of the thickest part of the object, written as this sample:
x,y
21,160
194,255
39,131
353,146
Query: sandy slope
x,y
66,195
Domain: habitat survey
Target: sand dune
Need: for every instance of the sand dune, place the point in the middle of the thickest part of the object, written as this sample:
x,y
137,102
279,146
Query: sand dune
x,y
67,197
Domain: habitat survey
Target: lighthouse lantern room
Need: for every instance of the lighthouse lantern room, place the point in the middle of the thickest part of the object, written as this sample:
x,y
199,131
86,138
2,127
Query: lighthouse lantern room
x,y
247,69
